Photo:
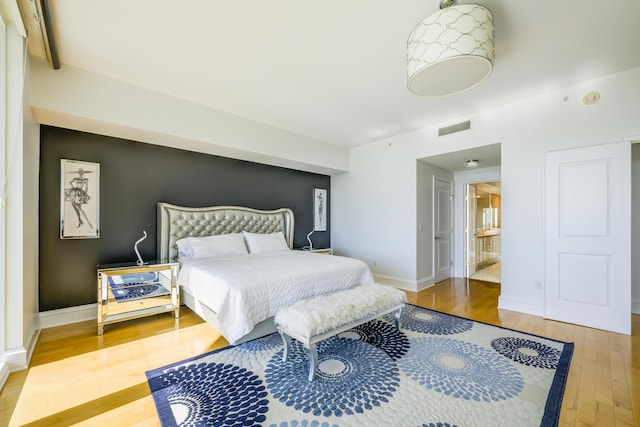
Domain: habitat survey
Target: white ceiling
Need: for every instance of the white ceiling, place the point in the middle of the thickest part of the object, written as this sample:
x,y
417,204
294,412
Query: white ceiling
x,y
487,156
335,70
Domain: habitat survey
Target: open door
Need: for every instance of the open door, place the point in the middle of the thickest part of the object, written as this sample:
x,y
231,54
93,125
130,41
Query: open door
x,y
471,229
442,229
588,236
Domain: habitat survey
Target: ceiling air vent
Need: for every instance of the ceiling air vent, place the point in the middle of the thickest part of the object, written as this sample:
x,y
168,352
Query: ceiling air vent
x,y
458,127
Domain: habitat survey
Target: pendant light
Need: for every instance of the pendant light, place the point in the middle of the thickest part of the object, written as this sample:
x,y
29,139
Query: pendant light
x,y
451,50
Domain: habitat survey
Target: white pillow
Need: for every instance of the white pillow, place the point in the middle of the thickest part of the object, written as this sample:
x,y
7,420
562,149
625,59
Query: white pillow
x,y
184,248
260,243
211,246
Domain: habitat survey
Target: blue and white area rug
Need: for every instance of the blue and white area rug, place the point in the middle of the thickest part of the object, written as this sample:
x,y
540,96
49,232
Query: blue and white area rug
x,y
440,370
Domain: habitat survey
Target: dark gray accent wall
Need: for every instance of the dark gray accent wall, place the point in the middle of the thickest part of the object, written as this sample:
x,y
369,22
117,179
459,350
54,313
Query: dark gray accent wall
x,y
134,177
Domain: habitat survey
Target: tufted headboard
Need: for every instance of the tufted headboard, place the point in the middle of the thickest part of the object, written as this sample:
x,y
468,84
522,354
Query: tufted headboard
x,y
176,222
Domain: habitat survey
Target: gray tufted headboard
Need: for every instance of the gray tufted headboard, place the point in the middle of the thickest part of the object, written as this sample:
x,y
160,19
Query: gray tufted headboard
x,y
176,222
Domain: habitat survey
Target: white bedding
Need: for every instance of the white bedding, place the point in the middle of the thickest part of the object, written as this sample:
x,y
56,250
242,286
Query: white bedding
x,y
246,289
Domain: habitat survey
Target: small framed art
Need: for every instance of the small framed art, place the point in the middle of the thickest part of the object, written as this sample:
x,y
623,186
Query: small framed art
x,y
79,199
319,209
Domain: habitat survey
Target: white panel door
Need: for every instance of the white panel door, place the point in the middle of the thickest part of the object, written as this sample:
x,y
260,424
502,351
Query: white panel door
x,y
442,229
588,236
471,232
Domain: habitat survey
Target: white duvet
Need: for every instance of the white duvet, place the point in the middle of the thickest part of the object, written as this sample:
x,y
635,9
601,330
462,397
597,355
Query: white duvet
x,y
243,290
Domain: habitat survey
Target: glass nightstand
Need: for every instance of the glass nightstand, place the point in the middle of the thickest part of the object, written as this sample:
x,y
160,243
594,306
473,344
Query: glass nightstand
x,y
128,291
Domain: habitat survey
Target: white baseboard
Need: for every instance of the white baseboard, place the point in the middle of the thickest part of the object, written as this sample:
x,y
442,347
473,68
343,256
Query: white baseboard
x,y
32,344
65,316
520,305
407,285
4,373
18,359
635,306
425,283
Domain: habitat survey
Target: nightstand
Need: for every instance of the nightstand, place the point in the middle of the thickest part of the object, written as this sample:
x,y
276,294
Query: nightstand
x,y
128,291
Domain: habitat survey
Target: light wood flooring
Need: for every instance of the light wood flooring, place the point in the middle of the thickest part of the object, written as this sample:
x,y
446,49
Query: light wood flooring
x,y
490,273
79,378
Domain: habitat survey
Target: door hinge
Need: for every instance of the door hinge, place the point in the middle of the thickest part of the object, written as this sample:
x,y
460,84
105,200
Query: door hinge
x,y
450,196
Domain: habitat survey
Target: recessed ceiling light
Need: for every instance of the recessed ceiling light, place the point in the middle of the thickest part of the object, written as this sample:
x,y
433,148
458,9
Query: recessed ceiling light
x,y
472,163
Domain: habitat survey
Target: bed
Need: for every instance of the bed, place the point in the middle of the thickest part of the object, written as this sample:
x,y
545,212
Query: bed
x,y
238,293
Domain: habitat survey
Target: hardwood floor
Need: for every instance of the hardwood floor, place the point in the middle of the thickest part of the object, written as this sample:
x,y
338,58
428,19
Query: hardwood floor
x,y
490,273
79,378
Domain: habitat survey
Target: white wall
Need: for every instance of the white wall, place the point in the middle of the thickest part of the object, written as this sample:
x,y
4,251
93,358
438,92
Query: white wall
x,y
635,228
4,367
20,144
30,215
77,99
373,213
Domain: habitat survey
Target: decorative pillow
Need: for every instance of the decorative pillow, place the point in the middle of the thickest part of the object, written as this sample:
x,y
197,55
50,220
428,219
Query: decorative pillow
x,y
211,246
260,243
184,248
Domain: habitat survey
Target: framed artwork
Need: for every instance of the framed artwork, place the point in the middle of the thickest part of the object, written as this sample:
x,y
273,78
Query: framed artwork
x,y
319,209
79,199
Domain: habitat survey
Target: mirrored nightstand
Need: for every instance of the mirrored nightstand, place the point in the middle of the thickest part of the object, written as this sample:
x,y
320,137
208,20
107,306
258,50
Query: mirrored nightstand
x,y
128,291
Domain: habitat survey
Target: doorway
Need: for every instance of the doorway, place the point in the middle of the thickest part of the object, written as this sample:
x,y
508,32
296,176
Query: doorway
x,y
455,168
483,225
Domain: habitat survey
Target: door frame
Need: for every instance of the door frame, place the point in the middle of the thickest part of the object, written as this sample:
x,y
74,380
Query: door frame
x,y
469,267
466,266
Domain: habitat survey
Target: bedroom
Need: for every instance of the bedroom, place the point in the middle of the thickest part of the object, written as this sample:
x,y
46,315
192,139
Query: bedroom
x,y
381,178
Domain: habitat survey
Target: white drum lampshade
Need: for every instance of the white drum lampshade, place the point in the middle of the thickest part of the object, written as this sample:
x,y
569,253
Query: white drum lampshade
x,y
450,51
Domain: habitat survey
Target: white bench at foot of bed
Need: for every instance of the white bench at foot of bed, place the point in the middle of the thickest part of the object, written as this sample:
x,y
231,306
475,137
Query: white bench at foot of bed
x,y
315,319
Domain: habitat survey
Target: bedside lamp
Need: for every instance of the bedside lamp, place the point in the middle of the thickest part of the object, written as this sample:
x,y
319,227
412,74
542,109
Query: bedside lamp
x,y
309,239
135,248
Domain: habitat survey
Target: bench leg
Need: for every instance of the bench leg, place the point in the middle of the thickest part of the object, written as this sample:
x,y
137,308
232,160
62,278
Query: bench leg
x,y
397,316
313,361
286,343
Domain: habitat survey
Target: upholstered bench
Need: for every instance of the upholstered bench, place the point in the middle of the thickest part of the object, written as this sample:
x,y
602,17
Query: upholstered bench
x,y
315,319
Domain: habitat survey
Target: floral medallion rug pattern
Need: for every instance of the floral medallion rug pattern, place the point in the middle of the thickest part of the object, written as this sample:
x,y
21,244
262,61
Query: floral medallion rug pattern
x,y
439,370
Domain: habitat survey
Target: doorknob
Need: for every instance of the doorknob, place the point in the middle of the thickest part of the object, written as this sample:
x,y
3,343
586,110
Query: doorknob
x,y
438,237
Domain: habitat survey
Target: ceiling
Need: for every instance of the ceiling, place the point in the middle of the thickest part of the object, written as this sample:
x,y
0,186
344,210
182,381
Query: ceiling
x,y
487,156
335,70
493,187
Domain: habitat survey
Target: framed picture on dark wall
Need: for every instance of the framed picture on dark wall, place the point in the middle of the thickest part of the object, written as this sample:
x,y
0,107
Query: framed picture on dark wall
x,y
319,209
79,199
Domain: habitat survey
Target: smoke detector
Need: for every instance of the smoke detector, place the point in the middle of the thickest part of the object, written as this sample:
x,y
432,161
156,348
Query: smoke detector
x,y
591,98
